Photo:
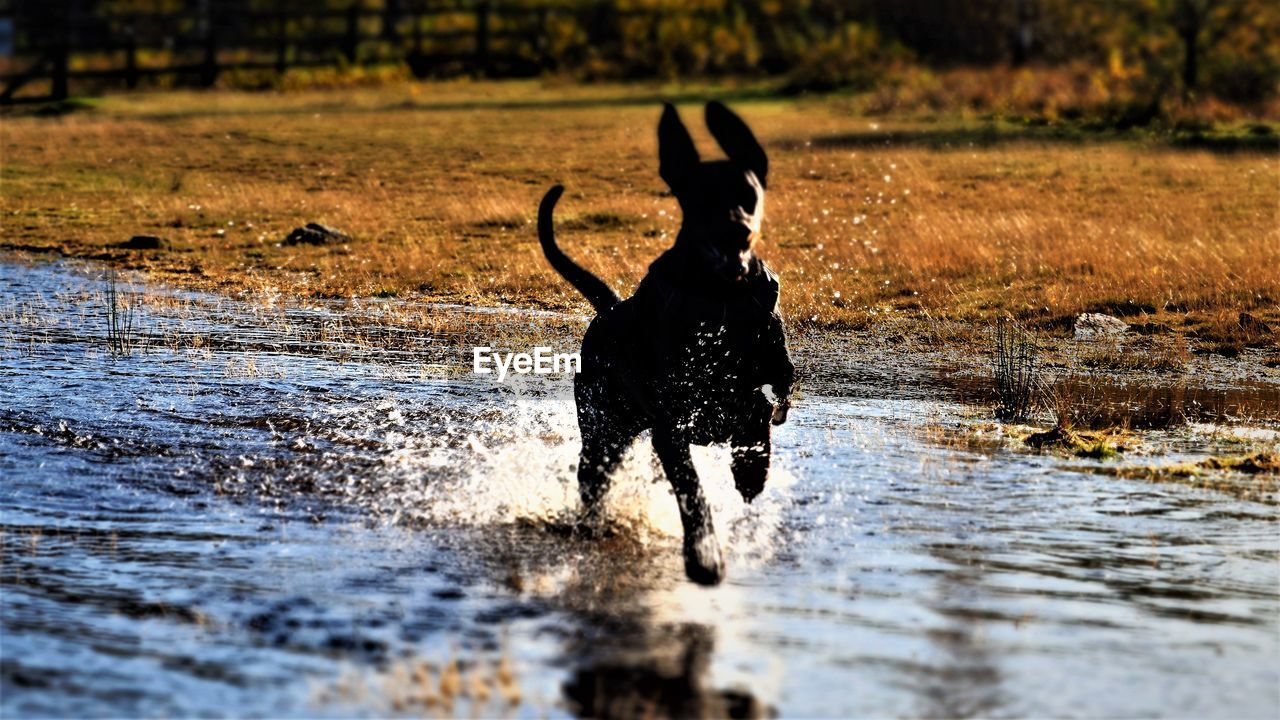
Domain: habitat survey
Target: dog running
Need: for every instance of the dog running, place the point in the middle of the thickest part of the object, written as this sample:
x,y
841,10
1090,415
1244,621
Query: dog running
x,y
689,354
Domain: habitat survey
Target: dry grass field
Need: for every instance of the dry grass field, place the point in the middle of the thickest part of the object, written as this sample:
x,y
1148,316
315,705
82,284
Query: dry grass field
x,y
947,221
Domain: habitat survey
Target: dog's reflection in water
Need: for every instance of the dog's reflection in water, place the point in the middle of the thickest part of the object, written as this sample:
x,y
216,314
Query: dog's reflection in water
x,y
630,641
665,677
638,640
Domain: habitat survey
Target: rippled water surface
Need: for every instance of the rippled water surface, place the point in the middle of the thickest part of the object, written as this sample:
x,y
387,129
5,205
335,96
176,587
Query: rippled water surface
x,y
253,514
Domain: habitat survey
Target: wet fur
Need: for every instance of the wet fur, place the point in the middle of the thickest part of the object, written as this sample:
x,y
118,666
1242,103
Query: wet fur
x,y
687,355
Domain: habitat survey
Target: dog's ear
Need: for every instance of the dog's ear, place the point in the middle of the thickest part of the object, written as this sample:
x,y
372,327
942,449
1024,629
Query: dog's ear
x,y
737,140
677,156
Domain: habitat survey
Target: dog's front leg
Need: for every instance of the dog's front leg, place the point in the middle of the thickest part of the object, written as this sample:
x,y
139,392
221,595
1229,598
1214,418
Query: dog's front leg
x,y
751,446
703,562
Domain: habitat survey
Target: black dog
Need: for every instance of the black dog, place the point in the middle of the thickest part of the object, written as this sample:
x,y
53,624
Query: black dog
x,y
688,354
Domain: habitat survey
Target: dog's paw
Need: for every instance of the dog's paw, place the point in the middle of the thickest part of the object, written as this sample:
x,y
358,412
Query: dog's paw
x,y
703,562
750,490
780,412
591,524
750,469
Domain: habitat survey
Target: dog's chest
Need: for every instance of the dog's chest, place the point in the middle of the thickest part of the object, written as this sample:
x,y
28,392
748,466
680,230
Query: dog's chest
x,y
707,346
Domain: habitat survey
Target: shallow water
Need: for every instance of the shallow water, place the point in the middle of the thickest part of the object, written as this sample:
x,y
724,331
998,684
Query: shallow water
x,y
247,516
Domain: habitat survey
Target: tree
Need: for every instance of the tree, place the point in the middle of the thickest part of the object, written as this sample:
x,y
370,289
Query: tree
x,y
1188,17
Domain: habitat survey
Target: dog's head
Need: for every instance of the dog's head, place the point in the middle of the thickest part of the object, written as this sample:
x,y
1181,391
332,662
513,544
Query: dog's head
x,y
723,200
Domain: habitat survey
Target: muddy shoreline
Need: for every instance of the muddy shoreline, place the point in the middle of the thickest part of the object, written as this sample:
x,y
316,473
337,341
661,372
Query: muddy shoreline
x,y
900,358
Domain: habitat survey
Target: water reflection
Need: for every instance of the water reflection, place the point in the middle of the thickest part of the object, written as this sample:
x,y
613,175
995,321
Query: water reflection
x,y
665,678
628,651
964,679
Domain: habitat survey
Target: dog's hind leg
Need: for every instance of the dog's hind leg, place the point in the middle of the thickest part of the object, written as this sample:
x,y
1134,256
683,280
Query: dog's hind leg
x,y
751,447
703,562
609,424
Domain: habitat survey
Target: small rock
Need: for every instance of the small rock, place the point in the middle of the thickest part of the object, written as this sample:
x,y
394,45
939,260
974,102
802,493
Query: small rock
x,y
141,242
1092,325
316,234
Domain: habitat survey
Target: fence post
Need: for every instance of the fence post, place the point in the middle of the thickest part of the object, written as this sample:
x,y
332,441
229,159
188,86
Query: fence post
x,y
482,37
61,53
353,32
540,31
209,68
390,19
282,43
59,91
131,56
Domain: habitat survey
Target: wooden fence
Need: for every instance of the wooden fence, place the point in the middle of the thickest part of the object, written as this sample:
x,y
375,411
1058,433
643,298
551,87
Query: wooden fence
x,y
55,42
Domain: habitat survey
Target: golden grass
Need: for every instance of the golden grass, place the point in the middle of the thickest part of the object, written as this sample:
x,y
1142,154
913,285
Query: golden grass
x,y
1165,354
1254,475
868,218
487,687
1249,477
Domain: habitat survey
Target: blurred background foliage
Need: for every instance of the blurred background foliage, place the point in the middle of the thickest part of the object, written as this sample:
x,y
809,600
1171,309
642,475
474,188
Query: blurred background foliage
x,y
1120,62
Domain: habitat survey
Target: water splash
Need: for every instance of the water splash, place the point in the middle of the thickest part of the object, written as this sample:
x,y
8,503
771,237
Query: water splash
x,y
517,464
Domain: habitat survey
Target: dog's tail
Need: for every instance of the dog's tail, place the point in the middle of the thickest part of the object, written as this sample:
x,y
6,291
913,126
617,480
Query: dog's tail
x,y
601,296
